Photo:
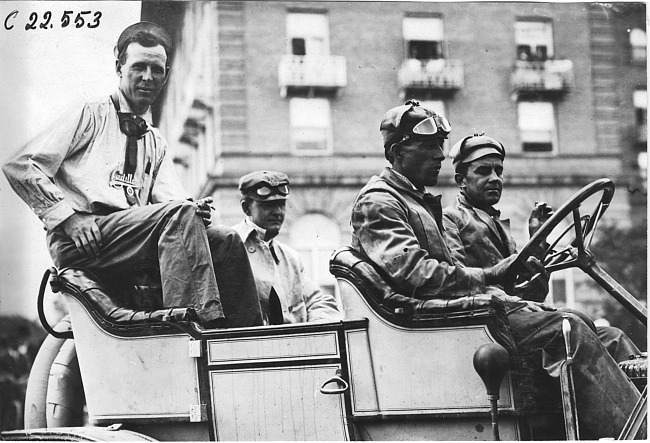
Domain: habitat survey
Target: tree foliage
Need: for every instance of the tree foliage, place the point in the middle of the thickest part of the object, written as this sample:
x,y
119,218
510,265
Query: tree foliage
x,y
623,254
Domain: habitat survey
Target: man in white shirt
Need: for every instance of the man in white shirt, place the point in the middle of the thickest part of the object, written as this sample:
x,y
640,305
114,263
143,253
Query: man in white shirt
x,y
100,181
286,294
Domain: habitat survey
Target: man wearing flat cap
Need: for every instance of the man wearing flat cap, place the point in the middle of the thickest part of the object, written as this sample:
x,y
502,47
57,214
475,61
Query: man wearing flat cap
x,y
398,225
103,185
477,236
286,294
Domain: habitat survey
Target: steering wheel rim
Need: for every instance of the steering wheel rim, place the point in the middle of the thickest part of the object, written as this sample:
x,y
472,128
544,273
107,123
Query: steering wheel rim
x,y
522,274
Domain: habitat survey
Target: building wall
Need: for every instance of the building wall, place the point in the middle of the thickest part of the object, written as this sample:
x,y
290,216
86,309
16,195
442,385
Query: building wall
x,y
250,122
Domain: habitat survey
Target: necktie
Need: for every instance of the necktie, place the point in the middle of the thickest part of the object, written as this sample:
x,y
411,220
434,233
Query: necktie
x,y
275,309
134,127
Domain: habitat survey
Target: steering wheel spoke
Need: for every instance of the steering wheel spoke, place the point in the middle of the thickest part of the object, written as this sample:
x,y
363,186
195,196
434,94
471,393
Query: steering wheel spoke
x,y
559,253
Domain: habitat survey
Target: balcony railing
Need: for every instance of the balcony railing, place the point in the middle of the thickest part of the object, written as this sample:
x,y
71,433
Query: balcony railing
x,y
312,71
546,76
438,74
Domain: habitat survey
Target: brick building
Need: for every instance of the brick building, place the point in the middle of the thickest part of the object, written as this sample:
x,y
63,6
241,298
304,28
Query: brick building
x,y
301,87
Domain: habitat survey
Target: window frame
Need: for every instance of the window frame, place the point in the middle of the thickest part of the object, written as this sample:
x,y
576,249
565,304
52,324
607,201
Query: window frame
x,y
328,129
554,151
440,42
550,48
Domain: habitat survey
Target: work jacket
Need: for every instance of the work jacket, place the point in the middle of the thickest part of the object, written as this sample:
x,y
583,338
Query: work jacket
x,y
276,265
481,239
399,228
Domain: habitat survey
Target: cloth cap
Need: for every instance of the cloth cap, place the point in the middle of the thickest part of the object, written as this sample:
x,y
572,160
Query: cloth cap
x,y
401,120
474,147
156,31
276,184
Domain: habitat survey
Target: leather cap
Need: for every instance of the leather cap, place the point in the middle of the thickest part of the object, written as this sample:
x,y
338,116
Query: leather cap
x,y
156,31
277,182
401,120
474,147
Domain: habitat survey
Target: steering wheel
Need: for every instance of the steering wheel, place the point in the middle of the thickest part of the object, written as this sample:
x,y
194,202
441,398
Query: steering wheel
x,y
560,253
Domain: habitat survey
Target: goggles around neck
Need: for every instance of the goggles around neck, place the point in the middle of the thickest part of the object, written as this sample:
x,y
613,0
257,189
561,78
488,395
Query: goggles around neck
x,y
132,125
265,191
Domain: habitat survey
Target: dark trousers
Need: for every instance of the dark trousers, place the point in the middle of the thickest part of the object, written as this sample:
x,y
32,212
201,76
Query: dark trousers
x,y
605,396
171,238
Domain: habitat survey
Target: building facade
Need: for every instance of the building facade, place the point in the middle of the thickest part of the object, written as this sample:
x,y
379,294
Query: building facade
x,y
301,87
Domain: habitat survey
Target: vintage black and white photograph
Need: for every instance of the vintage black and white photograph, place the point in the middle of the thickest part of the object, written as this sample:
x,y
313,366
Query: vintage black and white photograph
x,y
323,220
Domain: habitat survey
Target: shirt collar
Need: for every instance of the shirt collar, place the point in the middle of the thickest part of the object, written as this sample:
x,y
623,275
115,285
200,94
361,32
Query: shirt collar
x,y
406,181
259,231
491,211
124,107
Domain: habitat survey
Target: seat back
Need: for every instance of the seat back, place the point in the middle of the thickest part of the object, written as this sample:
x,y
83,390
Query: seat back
x,y
109,309
395,317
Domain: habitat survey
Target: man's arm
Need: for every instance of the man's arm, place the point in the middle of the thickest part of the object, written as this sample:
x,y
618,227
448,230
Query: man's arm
x,y
31,171
452,237
319,305
167,187
381,225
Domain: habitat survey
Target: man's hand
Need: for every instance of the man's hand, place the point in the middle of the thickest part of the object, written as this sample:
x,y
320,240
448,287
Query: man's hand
x,y
85,234
538,216
531,306
204,209
496,274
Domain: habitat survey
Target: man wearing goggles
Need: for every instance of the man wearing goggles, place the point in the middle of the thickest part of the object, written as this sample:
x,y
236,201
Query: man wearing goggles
x,y
398,225
286,294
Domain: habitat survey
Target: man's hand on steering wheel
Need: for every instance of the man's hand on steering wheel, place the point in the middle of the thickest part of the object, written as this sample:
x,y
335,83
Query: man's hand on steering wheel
x,y
540,213
496,274
204,210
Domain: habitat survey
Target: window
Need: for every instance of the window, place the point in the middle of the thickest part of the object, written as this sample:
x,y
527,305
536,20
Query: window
x,y
315,236
537,126
423,37
311,126
534,40
638,44
640,100
307,34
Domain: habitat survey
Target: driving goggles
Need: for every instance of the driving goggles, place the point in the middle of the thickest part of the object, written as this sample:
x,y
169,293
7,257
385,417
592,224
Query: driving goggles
x,y
432,125
266,191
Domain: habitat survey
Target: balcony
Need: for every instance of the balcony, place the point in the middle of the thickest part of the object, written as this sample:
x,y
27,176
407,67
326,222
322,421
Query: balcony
x,y
326,73
436,74
545,77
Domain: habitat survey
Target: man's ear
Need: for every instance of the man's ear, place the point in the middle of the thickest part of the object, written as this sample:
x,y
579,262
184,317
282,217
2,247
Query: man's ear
x,y
118,67
246,207
397,151
167,71
460,180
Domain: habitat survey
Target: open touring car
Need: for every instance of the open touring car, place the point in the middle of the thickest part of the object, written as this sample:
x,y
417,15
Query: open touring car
x,y
389,371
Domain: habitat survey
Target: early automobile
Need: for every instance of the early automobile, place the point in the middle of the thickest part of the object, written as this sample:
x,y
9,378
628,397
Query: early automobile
x,y
113,371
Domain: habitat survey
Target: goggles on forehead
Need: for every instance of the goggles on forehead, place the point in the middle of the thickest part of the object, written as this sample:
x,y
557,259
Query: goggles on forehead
x,y
266,191
432,125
